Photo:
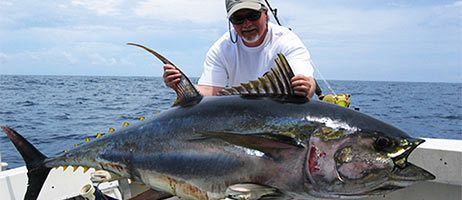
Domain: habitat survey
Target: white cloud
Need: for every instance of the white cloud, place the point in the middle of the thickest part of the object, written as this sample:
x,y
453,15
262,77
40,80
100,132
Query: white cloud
x,y
70,58
458,3
447,15
90,35
100,60
106,7
97,53
85,54
3,58
4,3
342,20
202,12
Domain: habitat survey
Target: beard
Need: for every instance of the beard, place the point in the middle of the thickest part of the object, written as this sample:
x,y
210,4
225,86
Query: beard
x,y
252,37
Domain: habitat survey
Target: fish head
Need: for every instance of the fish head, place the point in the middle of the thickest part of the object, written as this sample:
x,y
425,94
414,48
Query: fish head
x,y
362,163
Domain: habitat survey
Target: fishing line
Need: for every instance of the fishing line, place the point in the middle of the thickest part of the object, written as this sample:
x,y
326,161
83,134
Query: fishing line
x,y
322,78
274,12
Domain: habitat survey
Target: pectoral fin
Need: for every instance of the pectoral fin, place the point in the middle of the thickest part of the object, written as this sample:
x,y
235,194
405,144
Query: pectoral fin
x,y
268,143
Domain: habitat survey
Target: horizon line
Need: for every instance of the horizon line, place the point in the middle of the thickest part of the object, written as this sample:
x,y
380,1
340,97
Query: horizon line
x,y
196,77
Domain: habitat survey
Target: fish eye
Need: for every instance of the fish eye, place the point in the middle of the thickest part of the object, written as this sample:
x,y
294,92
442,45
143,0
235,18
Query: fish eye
x,y
381,143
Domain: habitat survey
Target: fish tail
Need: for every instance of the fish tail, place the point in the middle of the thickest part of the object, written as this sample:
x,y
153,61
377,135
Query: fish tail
x,y
37,172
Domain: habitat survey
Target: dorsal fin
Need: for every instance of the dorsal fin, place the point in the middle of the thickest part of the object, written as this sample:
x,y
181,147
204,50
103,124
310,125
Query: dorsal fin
x,y
275,82
186,93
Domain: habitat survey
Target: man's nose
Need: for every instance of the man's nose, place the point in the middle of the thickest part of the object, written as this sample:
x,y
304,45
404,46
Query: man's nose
x,y
247,22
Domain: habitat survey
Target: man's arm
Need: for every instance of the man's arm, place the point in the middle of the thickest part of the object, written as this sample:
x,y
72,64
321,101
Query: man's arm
x,y
208,90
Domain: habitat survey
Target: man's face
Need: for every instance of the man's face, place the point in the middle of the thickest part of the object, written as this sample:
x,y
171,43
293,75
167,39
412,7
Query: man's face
x,y
249,26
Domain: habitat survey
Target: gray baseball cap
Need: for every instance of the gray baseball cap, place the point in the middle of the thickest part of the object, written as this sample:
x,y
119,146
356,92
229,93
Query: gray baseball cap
x,y
234,5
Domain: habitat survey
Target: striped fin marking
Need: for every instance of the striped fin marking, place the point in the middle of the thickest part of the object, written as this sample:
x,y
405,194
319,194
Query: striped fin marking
x,y
275,82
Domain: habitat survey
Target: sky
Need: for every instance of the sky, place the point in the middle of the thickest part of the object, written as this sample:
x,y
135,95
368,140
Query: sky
x,y
378,40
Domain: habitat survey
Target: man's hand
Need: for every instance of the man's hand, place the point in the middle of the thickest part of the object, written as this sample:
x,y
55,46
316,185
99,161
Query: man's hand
x,y
171,76
303,85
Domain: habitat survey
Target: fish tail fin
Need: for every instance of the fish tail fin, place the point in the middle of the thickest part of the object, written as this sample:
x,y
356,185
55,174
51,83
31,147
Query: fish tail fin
x,y
37,172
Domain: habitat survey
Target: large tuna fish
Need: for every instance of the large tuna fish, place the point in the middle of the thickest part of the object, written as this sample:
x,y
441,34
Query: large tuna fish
x,y
258,142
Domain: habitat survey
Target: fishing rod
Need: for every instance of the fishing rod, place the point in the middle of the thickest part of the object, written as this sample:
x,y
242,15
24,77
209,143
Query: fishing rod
x,y
274,12
318,91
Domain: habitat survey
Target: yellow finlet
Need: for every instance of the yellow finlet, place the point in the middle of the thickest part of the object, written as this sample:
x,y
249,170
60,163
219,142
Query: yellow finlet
x,y
125,124
98,135
74,168
76,145
111,130
157,113
85,169
87,140
65,167
141,118
65,151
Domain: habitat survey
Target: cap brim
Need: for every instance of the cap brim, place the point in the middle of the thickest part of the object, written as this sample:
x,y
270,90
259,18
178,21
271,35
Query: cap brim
x,y
244,5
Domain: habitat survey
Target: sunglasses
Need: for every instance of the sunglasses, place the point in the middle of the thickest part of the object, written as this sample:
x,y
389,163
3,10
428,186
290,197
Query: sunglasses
x,y
239,19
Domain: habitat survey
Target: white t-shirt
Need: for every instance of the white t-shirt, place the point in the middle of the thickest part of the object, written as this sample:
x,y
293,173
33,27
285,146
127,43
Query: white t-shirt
x,y
230,64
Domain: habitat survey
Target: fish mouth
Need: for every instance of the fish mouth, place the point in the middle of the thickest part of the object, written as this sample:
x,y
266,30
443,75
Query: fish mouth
x,y
403,177
405,172
409,174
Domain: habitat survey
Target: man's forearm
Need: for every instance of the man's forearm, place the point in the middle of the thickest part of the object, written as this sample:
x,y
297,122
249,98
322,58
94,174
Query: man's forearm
x,y
208,90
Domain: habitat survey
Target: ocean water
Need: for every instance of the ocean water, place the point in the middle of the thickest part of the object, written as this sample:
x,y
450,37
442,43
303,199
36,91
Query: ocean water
x,y
56,112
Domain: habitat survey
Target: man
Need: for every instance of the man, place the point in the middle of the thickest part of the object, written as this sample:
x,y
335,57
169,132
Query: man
x,y
248,52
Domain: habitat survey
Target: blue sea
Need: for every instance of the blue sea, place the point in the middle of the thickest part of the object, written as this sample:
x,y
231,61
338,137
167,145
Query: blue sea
x,y
57,112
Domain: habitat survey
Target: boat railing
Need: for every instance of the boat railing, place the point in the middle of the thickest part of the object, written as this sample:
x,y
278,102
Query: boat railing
x,y
3,165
